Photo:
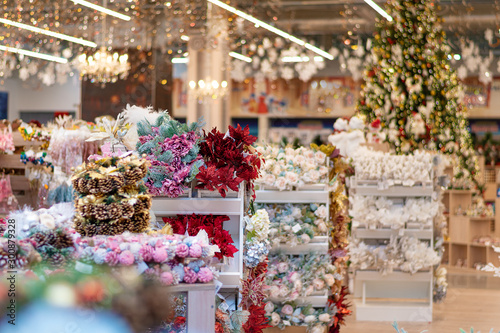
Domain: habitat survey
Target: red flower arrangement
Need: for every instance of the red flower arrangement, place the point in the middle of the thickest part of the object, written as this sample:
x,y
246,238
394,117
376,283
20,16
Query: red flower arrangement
x,y
252,299
212,224
342,310
229,160
257,320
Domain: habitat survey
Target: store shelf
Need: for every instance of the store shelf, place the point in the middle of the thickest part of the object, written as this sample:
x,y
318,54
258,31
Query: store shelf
x,y
394,276
393,311
394,191
230,279
265,196
163,206
301,248
387,233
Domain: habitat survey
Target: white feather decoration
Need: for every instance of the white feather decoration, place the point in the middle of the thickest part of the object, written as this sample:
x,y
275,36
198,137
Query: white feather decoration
x,y
134,114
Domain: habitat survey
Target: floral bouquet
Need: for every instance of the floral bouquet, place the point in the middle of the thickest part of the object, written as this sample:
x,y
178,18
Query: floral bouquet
x,y
172,149
211,224
17,254
229,160
287,168
111,196
296,224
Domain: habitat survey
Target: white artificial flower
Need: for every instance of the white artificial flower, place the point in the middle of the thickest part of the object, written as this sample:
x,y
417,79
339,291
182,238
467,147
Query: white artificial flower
x,y
356,123
309,319
280,183
292,178
324,317
275,319
341,124
321,212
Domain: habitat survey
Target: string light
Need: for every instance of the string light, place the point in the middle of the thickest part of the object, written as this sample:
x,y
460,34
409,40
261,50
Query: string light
x,y
102,9
379,10
34,54
48,32
180,60
259,23
240,57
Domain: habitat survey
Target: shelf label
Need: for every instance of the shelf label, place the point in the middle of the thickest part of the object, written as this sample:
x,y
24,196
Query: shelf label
x,y
296,228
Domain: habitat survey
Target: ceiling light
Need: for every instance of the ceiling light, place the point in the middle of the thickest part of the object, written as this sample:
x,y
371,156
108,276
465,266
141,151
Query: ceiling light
x,y
180,60
271,28
379,10
185,38
34,54
48,33
102,9
240,56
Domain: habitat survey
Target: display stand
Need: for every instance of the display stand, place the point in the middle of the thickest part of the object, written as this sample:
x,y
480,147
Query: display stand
x,y
212,203
461,250
200,305
317,194
397,296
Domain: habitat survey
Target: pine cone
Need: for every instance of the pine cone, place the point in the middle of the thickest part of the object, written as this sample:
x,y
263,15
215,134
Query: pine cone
x,y
92,186
45,238
118,181
105,185
144,169
133,176
4,260
63,240
57,260
140,222
85,210
89,230
100,212
127,211
114,211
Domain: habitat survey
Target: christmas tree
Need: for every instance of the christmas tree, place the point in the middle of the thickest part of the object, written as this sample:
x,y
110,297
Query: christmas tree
x,y
410,87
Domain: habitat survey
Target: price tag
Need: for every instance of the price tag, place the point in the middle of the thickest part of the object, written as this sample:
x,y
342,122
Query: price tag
x,y
223,306
218,285
287,323
9,201
390,182
29,130
296,228
126,154
141,267
83,268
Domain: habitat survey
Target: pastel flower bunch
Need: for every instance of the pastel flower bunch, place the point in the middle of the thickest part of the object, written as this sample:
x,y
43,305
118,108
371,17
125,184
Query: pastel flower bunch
x,y
296,223
173,151
291,277
169,258
290,314
407,254
229,160
288,168
257,234
379,212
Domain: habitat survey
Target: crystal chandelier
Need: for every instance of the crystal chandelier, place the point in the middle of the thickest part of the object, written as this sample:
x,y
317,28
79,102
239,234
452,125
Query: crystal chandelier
x,y
208,90
104,67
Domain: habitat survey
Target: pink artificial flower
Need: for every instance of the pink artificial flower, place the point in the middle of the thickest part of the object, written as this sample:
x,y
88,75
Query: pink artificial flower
x,y
160,255
126,258
112,258
182,250
205,275
146,253
190,276
287,310
195,251
167,278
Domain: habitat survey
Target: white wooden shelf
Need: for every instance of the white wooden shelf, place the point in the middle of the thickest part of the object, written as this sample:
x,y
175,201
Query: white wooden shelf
x,y
394,191
363,233
394,276
163,206
230,279
265,196
301,248
393,311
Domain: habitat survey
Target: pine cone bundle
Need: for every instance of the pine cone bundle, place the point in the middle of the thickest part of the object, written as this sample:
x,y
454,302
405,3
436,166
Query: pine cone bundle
x,y
106,185
85,210
92,186
133,175
127,211
63,240
57,260
114,211
100,212
117,180
88,230
45,238
140,222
